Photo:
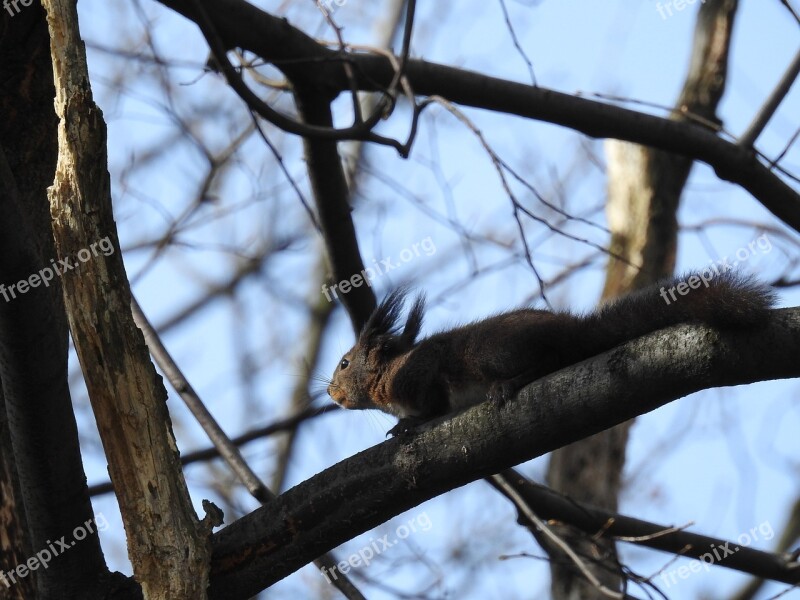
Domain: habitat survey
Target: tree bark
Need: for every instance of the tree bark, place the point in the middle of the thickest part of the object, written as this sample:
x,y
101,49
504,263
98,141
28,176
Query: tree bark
x,y
644,191
43,481
167,545
386,480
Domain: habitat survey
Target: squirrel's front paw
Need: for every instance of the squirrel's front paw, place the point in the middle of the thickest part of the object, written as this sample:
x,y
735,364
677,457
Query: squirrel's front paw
x,y
501,392
405,426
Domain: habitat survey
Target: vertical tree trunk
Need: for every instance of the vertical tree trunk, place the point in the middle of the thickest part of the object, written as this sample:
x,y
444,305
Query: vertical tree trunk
x,y
644,190
44,491
167,545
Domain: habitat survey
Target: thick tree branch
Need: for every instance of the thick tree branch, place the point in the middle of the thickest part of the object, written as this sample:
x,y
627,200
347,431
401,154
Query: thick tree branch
x,y
306,62
167,545
43,488
644,189
594,521
630,380
331,195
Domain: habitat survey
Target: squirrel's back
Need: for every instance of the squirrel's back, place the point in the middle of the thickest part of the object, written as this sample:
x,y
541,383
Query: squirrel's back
x,y
725,300
389,370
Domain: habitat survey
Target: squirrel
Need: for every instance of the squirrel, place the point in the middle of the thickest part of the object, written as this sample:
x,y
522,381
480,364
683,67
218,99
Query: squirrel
x,y
494,358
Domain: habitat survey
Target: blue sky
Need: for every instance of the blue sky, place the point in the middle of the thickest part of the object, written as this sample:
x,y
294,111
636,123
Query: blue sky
x,y
725,459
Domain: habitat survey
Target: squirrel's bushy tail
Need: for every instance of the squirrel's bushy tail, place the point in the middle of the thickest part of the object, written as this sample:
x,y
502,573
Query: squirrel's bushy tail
x,y
725,300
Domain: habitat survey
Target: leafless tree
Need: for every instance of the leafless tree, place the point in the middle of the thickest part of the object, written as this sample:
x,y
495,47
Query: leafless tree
x,y
271,150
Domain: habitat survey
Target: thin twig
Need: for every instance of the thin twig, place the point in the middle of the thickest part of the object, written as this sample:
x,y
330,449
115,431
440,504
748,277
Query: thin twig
x,y
771,105
523,507
227,449
517,45
362,131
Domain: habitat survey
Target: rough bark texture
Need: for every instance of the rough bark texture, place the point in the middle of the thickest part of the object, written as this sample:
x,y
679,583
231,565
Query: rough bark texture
x,y
15,545
319,514
243,25
322,309
644,190
44,495
167,545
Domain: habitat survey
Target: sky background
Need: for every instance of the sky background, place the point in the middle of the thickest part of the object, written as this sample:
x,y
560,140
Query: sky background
x,y
724,459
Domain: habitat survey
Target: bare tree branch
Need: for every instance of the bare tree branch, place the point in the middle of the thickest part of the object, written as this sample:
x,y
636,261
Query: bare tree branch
x,y
212,452
550,505
771,105
227,449
320,513
167,544
240,24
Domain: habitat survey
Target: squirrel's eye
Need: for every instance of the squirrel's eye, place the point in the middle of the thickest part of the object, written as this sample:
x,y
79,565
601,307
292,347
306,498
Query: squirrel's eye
x,y
344,364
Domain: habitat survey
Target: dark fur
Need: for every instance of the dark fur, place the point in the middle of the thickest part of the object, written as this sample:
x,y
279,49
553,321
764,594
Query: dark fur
x,y
495,357
383,325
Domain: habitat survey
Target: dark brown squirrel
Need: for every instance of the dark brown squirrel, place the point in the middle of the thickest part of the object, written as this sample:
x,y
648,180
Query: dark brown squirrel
x,y
494,358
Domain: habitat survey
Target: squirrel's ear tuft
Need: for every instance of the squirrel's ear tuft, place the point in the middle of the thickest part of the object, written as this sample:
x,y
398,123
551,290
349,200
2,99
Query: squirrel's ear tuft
x,y
384,320
383,326
414,323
